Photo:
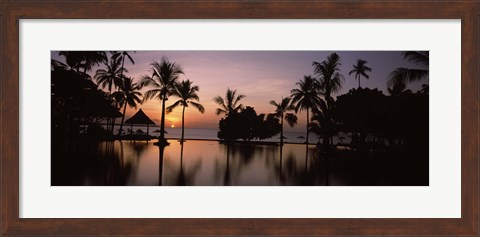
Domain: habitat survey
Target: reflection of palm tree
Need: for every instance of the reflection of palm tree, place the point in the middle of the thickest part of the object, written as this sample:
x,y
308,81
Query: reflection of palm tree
x,y
181,180
230,104
188,95
281,111
405,75
128,94
226,179
281,163
164,76
306,159
160,164
305,97
187,177
360,69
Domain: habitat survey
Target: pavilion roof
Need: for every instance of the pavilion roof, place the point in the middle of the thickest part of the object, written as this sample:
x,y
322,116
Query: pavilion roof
x,y
139,118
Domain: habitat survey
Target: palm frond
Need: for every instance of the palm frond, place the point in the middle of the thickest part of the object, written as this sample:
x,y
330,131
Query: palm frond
x,y
419,57
219,100
197,106
272,102
291,119
219,111
170,108
152,94
406,75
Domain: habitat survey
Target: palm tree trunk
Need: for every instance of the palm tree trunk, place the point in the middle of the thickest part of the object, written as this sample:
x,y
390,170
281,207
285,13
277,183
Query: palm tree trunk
x,y
183,122
306,140
123,119
162,122
281,132
123,63
118,89
359,82
109,119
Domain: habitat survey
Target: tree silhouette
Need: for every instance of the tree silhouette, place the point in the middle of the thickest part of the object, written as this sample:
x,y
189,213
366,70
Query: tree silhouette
x,y
162,82
128,94
281,111
360,69
247,125
230,104
330,81
73,59
93,58
306,97
83,59
188,95
405,75
111,76
122,55
329,78
398,88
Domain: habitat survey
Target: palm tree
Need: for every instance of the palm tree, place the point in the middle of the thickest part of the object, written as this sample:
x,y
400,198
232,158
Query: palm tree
x,y
406,75
188,95
322,123
360,69
73,58
123,55
329,78
162,81
93,58
111,76
399,88
128,94
330,81
230,104
281,110
306,97
83,59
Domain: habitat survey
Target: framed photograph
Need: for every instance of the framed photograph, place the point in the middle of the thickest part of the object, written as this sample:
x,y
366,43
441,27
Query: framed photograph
x,y
239,118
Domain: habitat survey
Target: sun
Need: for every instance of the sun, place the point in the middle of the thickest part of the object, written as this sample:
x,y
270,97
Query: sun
x,y
173,126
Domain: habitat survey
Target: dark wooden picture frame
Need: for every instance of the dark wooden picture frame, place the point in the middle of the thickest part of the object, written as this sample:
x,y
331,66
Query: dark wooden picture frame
x,y
12,11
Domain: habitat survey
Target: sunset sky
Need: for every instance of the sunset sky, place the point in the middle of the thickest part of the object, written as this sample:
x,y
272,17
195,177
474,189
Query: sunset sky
x,y
260,75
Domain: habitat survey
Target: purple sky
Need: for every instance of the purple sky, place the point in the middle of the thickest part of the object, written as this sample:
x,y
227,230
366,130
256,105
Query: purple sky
x,y
260,75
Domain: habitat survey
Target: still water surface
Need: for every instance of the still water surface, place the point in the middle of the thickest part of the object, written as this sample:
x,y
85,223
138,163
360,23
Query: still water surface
x,y
197,162
208,163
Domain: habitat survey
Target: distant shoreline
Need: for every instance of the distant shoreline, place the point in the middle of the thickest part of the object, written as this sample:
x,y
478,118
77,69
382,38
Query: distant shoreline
x,y
213,140
238,141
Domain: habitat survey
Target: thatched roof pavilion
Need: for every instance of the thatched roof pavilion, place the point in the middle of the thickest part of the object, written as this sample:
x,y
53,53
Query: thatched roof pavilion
x,y
140,118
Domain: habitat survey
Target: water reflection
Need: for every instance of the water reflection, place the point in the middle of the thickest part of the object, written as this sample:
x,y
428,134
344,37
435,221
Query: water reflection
x,y
161,150
215,163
